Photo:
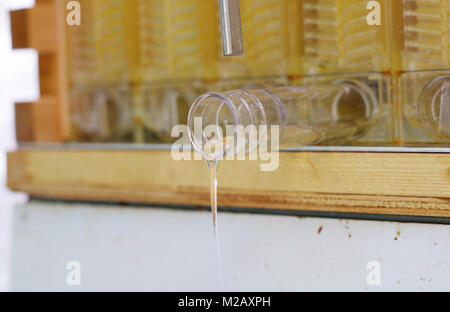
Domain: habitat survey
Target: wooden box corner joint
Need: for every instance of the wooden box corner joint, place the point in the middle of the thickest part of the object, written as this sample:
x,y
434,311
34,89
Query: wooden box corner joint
x,y
38,28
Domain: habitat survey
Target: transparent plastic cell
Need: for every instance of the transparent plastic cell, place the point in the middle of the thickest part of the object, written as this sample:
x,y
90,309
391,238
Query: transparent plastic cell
x,y
377,86
164,107
426,37
425,100
248,83
101,114
340,109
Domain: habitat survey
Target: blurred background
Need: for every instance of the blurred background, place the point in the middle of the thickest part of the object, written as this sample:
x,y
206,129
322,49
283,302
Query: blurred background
x,y
128,78
18,82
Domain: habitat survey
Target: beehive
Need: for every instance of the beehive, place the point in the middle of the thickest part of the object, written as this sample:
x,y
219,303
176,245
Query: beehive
x,y
173,49
408,184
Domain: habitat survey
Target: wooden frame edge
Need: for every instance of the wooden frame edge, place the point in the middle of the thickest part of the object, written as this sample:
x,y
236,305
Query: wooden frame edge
x,y
153,177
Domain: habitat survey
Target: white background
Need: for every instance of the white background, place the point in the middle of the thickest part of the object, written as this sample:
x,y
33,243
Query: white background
x,y
18,83
151,249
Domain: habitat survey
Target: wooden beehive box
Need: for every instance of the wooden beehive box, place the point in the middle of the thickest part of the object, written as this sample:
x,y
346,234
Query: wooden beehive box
x,y
396,184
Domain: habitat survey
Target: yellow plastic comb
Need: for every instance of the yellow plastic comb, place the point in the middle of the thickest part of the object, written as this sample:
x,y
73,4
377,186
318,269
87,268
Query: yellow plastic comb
x,y
338,37
426,28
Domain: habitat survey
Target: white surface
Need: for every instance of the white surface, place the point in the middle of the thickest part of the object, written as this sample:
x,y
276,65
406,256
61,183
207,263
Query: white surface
x,y
159,249
18,82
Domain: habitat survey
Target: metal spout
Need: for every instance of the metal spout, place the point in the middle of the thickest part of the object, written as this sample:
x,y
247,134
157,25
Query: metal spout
x,y
230,22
